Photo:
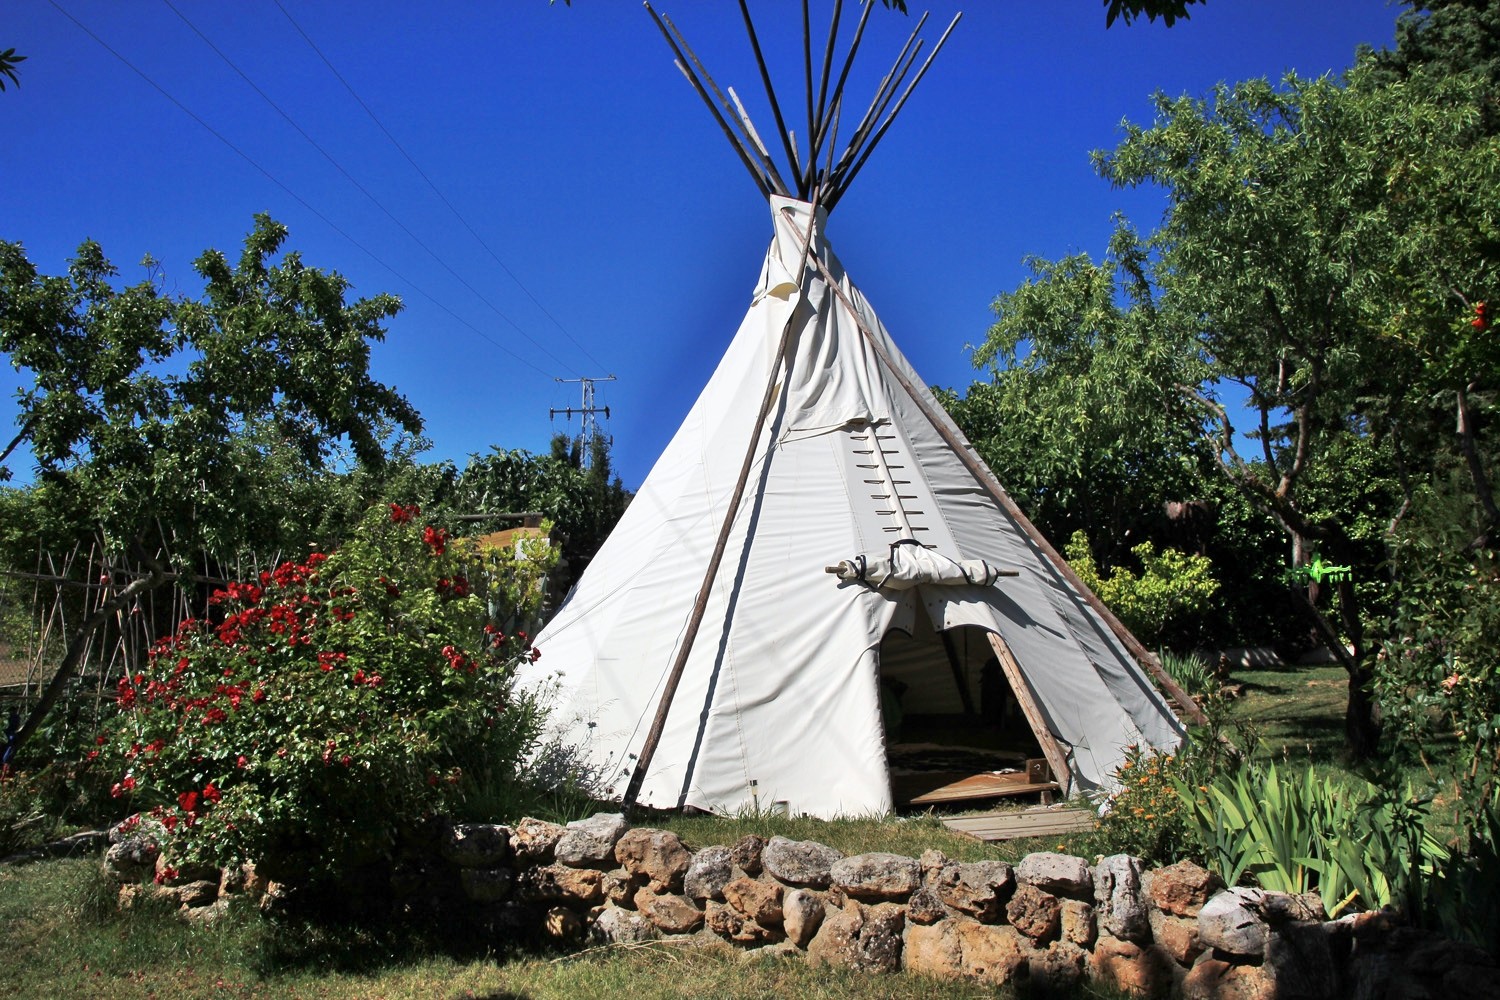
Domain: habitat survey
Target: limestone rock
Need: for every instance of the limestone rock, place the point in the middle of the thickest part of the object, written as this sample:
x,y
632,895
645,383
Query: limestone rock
x,y
487,885
148,893
707,874
755,900
533,841
876,877
129,895
1215,979
1034,913
179,873
1077,922
588,843
1177,936
1117,891
925,906
232,880
1231,922
558,883
866,938
255,881
933,949
205,915
1183,888
1058,968
658,855
979,888
671,914
477,845
277,899
995,954
619,886
1281,907
727,922
802,915
1059,874
932,861
132,858
197,893
1300,959
799,862
1143,970
962,946
562,924
617,926
746,854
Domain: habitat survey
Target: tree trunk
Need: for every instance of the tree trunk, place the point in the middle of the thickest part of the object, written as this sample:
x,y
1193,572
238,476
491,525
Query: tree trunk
x,y
1361,720
1361,717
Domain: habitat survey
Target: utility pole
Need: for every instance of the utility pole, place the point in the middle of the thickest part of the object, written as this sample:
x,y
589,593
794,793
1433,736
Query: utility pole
x,y
586,410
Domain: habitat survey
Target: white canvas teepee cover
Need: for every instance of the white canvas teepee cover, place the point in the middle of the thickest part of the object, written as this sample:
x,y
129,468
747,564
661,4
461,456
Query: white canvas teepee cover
x,y
781,689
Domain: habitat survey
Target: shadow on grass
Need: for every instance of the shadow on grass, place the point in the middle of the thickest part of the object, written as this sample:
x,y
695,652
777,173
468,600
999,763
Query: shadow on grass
x,y
363,946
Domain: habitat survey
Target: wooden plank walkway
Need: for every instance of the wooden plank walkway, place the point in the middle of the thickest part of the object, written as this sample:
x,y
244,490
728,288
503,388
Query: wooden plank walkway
x,y
1012,824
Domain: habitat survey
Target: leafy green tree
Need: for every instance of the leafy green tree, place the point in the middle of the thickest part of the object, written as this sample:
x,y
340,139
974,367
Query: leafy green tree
x,y
8,62
1270,245
584,503
1170,585
1080,418
1447,38
159,423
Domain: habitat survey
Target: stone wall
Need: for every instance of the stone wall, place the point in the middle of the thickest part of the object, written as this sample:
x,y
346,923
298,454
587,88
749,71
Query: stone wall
x,y
1051,921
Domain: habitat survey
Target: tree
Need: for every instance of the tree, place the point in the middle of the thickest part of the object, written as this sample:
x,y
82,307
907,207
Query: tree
x,y
1079,417
1446,38
1270,245
1168,10
583,503
159,422
8,63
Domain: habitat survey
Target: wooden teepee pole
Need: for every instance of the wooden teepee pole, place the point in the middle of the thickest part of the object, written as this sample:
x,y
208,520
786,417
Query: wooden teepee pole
x,y
700,603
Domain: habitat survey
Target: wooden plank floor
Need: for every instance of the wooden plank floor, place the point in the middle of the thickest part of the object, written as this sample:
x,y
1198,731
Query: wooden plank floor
x,y
1012,824
983,786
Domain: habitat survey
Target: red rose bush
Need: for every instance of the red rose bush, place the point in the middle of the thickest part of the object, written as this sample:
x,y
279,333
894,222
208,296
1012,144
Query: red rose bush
x,y
333,702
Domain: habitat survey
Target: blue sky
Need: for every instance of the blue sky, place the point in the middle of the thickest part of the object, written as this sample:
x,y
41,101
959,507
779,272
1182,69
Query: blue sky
x,y
627,234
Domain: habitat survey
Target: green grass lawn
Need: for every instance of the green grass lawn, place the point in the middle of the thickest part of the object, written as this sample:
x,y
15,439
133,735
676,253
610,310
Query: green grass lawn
x,y
1296,716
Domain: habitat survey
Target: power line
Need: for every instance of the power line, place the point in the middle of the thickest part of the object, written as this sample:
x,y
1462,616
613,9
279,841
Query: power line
x,y
292,194
362,189
435,190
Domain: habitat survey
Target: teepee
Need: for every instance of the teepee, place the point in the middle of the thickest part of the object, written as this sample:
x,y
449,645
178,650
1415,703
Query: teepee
x,y
817,536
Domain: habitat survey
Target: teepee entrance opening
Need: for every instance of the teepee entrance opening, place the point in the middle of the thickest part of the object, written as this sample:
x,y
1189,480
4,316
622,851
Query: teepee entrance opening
x,y
955,730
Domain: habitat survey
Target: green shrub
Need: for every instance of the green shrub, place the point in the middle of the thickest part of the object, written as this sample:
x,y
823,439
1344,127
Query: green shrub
x,y
1145,817
24,820
1465,901
1171,586
337,700
1438,673
1196,677
1298,833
